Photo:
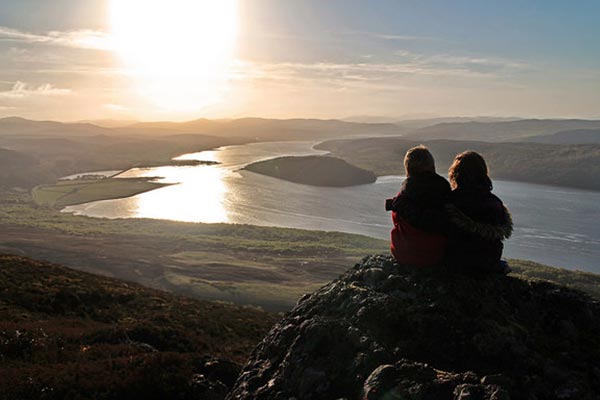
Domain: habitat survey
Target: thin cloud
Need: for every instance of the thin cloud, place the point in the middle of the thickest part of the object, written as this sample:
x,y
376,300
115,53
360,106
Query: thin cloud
x,y
466,62
22,90
402,37
352,71
116,107
84,38
392,36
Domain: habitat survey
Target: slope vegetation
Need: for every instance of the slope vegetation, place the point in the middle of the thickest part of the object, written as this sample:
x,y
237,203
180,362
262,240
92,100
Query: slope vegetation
x,y
563,165
69,334
263,266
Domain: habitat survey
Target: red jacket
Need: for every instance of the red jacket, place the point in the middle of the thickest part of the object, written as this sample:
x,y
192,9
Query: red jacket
x,y
419,237
412,246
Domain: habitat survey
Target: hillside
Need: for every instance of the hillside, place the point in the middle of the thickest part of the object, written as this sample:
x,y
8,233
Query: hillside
x,y
563,165
51,158
382,331
18,169
314,170
15,126
263,129
503,131
69,334
578,136
264,266
253,129
60,149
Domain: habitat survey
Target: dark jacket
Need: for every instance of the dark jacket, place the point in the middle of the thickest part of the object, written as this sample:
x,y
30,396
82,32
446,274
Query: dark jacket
x,y
418,214
479,222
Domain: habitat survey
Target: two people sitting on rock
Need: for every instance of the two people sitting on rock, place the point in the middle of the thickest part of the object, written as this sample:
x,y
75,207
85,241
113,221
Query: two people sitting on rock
x,y
460,224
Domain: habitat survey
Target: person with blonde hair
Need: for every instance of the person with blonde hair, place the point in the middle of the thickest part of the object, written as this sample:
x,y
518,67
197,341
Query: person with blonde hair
x,y
418,212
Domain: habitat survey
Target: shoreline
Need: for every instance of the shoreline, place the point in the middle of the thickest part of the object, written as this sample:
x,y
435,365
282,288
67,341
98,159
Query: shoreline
x,y
61,194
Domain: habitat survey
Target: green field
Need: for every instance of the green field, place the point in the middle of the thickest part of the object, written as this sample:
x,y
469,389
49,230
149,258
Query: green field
x,y
262,266
584,281
68,193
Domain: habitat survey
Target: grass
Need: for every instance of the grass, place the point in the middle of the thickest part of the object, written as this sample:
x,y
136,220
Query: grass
x,y
68,334
584,281
68,193
285,279
264,266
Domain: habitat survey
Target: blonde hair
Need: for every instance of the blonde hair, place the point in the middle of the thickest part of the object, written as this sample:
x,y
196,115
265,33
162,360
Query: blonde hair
x,y
418,160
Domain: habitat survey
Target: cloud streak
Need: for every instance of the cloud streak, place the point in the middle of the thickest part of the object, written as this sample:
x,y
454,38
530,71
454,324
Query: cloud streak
x,y
84,38
408,65
465,62
21,90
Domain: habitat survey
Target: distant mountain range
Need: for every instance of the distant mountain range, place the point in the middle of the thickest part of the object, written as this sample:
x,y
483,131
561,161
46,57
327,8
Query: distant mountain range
x,y
577,136
13,126
255,129
416,123
110,123
489,129
54,149
505,131
260,129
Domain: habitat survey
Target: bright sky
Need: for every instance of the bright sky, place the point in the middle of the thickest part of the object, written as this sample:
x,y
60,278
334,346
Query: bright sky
x,y
185,59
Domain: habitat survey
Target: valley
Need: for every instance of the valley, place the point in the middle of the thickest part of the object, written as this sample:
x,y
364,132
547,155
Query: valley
x,y
239,262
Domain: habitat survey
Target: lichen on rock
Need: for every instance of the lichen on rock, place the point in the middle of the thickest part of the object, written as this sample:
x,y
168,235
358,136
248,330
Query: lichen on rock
x,y
384,331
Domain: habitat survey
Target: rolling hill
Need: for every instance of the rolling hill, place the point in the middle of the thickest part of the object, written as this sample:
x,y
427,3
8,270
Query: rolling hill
x,y
578,136
15,126
19,170
503,131
562,165
261,129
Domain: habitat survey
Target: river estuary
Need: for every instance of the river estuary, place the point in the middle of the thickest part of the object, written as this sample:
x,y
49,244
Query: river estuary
x,y
553,225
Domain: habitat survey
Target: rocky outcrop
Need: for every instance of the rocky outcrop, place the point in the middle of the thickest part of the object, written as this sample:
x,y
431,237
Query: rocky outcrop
x,y
384,331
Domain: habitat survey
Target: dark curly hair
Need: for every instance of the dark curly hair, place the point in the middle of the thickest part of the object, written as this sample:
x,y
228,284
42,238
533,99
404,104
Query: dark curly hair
x,y
469,170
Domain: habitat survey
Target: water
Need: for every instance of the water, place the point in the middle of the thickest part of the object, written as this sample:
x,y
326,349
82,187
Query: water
x,y
553,225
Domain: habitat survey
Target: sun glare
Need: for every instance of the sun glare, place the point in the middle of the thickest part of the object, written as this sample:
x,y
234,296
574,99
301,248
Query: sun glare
x,y
177,51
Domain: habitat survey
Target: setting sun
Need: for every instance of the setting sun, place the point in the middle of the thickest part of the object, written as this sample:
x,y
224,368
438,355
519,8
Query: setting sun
x,y
177,51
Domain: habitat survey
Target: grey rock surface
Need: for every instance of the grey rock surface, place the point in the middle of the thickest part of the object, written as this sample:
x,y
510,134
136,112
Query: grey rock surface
x,y
384,331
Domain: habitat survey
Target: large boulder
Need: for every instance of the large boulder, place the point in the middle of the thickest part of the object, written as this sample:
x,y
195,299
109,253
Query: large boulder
x,y
384,331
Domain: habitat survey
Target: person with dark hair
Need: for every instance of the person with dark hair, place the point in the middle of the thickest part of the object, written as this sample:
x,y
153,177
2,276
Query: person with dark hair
x,y
479,221
418,212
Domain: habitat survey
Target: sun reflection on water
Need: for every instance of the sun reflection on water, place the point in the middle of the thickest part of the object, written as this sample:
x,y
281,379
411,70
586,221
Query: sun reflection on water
x,y
200,193
209,155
